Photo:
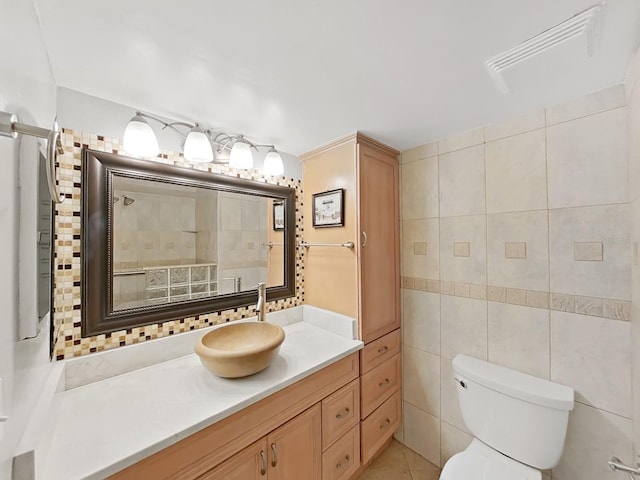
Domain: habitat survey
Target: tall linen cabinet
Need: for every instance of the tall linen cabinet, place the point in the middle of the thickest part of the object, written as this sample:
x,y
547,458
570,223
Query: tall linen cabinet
x,y
363,282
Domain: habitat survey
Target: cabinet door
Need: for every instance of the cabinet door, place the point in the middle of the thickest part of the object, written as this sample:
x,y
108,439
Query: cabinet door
x,y
295,451
379,245
248,464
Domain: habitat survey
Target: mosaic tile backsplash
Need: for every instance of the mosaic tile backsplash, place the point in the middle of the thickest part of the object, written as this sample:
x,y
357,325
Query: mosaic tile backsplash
x,y
67,340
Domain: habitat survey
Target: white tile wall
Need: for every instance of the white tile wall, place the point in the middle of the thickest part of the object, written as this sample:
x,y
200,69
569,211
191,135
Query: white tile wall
x,y
517,173
586,161
461,180
580,107
421,320
542,184
421,432
423,151
531,228
452,441
421,387
593,356
472,230
592,437
464,327
519,338
462,140
633,152
420,189
521,124
607,224
421,231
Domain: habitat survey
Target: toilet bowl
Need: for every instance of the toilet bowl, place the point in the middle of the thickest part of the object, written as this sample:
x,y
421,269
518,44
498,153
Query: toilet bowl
x,y
481,461
519,422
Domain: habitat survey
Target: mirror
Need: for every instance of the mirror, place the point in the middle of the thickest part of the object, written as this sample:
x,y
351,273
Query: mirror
x,y
163,242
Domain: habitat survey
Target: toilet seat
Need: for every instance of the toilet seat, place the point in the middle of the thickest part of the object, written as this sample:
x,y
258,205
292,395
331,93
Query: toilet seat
x,y
481,462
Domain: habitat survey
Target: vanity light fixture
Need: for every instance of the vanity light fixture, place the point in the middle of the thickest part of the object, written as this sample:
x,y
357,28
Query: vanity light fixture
x,y
200,146
197,146
241,156
11,127
139,139
273,163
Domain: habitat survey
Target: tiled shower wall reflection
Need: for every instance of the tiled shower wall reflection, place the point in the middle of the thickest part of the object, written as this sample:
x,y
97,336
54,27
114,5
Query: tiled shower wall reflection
x,y
67,312
242,241
516,249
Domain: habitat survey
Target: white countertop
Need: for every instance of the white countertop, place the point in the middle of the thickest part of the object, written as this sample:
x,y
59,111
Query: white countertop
x,y
105,426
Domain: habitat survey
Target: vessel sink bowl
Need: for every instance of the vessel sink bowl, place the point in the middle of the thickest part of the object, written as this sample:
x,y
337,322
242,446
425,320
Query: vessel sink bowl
x,y
240,349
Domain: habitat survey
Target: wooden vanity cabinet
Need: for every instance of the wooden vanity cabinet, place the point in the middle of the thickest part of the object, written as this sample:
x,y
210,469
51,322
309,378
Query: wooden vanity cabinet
x,y
283,431
288,453
363,282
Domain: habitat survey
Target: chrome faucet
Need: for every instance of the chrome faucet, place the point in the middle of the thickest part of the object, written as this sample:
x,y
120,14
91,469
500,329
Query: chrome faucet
x,y
260,307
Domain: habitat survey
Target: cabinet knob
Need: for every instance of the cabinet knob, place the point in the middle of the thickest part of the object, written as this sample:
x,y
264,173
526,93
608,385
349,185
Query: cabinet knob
x,y
386,423
384,383
364,239
344,462
274,452
382,350
343,414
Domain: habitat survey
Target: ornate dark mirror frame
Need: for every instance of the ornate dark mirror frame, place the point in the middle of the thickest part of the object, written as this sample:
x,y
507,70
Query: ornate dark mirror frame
x,y
98,170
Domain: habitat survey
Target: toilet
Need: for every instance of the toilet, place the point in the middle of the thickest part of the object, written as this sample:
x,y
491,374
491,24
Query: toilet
x,y
519,422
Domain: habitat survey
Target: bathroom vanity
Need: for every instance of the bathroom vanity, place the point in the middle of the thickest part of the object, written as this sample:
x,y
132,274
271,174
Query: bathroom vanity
x,y
299,418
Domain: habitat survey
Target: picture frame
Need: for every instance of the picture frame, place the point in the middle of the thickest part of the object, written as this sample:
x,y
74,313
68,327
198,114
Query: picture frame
x,y
278,216
328,208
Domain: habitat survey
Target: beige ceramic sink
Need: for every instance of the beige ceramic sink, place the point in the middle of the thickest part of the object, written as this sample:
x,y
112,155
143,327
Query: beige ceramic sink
x,y
240,349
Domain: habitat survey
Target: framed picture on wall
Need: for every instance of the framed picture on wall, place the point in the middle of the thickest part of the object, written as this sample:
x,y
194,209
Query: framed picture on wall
x,y
328,208
278,215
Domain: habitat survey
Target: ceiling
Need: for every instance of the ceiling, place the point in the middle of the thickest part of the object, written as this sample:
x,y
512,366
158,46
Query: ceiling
x,y
300,73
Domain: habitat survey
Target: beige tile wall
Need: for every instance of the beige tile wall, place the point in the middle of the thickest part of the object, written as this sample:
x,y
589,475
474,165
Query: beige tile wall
x,y
516,249
633,150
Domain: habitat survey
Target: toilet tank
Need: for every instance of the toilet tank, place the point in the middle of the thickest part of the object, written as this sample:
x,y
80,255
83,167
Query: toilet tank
x,y
519,415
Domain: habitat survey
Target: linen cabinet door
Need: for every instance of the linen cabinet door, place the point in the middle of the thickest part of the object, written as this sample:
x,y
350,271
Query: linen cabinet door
x,y
295,449
379,245
248,464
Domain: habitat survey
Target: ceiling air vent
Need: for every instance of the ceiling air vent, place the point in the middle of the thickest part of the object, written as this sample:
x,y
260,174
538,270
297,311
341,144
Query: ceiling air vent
x,y
585,23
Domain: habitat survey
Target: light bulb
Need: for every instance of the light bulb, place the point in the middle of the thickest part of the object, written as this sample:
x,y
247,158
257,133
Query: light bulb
x,y
139,139
241,156
197,147
273,163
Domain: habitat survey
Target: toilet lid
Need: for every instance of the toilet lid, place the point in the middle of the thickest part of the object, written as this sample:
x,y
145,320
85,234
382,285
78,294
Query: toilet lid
x,y
477,464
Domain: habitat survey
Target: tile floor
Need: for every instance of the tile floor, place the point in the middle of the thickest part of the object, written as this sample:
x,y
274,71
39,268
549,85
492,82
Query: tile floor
x,y
398,462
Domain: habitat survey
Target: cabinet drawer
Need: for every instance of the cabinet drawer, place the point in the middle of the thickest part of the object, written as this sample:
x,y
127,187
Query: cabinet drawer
x,y
340,412
379,427
376,352
342,459
379,384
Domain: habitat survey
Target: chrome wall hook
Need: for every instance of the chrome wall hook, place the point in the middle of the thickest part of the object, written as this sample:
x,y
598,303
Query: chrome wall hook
x,y
11,127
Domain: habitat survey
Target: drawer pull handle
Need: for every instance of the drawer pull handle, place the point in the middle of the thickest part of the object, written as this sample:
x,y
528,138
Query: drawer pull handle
x,y
343,414
274,460
341,464
263,458
384,384
386,423
382,350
